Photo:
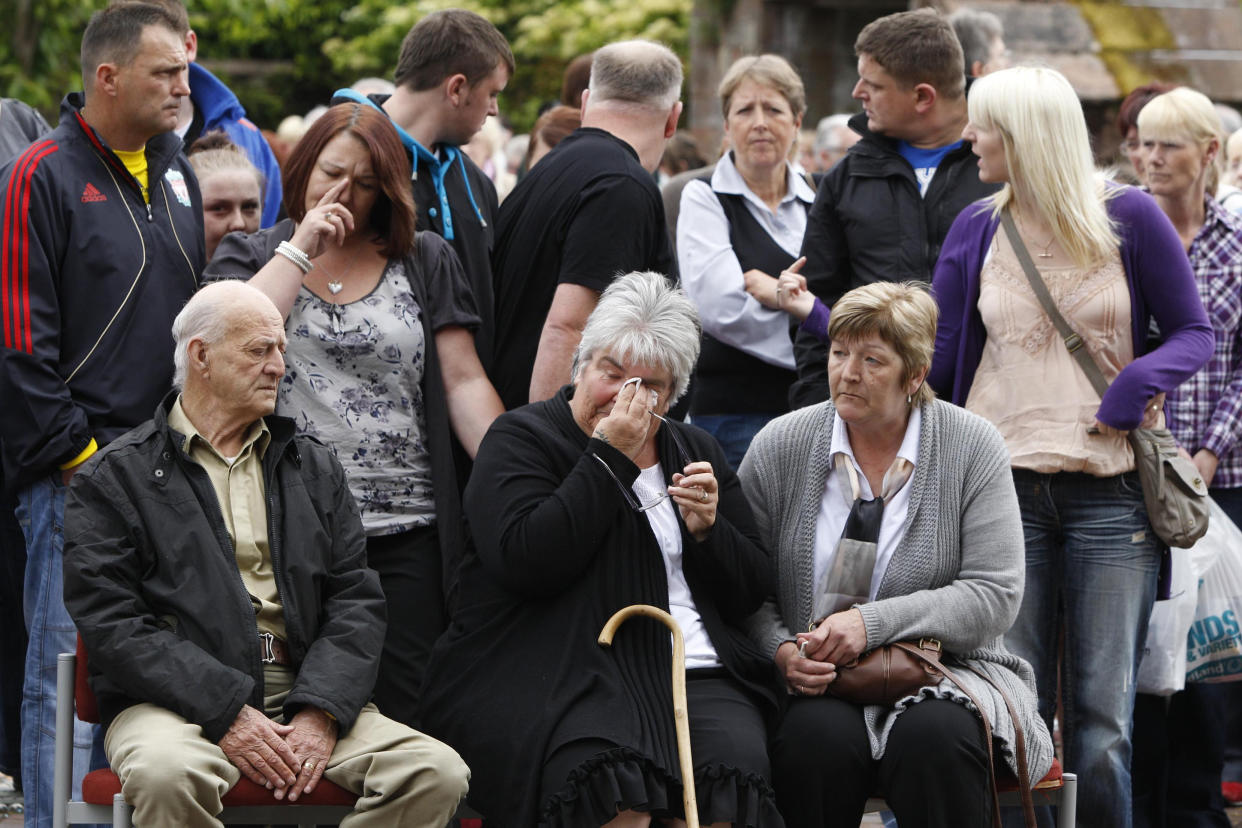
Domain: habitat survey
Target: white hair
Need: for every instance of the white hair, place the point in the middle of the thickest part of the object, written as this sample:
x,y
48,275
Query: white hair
x,y
826,131
209,316
643,317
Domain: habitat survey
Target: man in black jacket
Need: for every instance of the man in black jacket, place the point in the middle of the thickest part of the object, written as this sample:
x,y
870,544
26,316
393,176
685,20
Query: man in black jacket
x,y
883,211
102,244
215,565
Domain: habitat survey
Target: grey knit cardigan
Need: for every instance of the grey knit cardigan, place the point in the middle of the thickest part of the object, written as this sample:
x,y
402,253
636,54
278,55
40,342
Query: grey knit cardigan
x,y
957,573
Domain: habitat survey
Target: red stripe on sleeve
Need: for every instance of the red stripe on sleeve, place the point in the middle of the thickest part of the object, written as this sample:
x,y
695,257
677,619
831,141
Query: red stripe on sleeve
x,y
15,254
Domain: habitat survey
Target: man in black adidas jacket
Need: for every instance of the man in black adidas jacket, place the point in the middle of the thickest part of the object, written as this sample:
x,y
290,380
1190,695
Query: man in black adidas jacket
x,y
883,211
102,244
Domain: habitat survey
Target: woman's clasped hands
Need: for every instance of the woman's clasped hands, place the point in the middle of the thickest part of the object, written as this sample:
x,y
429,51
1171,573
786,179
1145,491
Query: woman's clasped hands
x,y
809,664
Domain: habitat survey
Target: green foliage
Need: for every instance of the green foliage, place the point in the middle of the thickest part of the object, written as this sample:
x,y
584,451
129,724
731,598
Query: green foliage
x,y
545,36
39,51
288,35
298,51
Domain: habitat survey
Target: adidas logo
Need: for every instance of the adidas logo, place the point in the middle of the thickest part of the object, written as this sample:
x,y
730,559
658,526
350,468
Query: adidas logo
x,y
92,194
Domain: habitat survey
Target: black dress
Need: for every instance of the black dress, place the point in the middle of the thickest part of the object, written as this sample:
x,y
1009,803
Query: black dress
x,y
518,683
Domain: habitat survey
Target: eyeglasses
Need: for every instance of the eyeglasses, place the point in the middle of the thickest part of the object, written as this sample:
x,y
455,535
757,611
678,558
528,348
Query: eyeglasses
x,y
626,492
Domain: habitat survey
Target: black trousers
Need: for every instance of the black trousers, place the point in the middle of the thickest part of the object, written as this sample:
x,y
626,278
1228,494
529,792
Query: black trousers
x,y
1179,748
934,771
409,567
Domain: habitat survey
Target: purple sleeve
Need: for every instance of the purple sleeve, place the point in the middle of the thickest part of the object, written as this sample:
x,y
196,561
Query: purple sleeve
x,y
1163,285
816,323
955,286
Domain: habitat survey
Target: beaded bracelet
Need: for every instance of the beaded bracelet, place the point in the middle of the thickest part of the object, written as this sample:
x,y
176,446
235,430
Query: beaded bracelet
x,y
296,256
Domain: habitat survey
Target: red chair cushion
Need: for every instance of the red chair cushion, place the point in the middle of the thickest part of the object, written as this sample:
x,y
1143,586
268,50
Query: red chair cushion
x,y
83,697
98,788
1006,783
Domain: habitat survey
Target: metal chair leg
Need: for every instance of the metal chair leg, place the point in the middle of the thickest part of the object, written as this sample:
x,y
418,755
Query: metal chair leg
x,y
1067,812
62,776
120,812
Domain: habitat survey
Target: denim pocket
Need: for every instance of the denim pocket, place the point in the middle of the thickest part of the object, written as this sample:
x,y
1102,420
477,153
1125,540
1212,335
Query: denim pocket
x,y
1129,485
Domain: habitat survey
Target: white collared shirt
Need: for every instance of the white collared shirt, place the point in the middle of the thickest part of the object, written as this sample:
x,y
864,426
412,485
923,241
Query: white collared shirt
x,y
711,273
835,506
667,530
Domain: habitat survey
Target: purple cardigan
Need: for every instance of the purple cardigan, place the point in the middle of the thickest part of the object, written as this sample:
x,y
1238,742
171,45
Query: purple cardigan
x,y
1162,285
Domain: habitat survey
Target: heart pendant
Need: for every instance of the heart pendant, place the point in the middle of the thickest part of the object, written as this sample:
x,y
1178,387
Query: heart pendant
x,y
335,287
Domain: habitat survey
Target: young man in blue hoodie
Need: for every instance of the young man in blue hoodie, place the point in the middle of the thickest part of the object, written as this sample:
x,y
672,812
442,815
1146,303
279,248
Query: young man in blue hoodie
x,y
453,65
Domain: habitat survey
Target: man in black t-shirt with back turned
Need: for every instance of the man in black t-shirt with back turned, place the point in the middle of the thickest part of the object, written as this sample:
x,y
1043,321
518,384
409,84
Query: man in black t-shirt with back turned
x,y
586,213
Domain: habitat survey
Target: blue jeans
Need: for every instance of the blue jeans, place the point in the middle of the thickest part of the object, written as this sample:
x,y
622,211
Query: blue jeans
x,y
12,639
1091,565
733,431
41,514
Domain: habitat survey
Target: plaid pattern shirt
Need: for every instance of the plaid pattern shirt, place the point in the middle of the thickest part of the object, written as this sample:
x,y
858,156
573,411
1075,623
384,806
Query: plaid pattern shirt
x,y
1206,410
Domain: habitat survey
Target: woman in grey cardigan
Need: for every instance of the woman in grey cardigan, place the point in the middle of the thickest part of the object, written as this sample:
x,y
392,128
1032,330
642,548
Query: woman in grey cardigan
x,y
938,554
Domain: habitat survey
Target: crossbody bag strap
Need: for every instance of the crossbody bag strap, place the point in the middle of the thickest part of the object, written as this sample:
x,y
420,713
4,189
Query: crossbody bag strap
x,y
987,726
1024,774
1073,342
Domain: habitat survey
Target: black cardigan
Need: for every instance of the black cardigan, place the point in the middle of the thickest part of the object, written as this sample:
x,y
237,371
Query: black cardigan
x,y
559,550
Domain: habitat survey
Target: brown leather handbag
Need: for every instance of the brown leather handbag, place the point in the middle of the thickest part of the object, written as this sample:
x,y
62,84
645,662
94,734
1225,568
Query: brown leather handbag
x,y
889,672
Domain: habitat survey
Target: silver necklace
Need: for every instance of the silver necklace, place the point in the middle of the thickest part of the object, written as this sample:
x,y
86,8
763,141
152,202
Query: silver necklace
x,y
336,285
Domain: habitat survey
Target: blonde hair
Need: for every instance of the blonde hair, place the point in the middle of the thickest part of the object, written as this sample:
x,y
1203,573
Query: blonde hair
x,y
903,314
214,153
1184,113
1048,154
772,71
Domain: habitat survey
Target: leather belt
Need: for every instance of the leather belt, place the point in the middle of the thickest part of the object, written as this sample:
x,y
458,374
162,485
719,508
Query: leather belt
x,y
273,650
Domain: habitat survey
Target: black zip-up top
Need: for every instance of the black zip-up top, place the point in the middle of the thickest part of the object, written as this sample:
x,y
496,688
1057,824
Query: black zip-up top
x,y
869,224
91,278
151,580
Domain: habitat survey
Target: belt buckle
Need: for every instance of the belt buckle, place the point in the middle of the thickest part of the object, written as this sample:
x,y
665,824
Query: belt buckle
x,y
268,654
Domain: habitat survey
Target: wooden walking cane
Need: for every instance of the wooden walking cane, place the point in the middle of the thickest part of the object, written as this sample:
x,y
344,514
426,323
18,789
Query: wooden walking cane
x,y
681,719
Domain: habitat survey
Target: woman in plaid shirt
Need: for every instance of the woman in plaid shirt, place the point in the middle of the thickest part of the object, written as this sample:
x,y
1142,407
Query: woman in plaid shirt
x,y
1181,141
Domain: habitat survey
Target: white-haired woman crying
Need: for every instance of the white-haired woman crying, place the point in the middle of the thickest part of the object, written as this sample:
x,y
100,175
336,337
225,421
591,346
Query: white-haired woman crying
x,y
580,505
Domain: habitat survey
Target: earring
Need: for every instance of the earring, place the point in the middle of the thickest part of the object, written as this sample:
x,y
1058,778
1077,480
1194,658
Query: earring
x,y
909,399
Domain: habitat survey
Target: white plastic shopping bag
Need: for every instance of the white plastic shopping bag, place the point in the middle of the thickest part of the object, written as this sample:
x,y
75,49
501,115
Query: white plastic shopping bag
x,y
1162,671
1214,642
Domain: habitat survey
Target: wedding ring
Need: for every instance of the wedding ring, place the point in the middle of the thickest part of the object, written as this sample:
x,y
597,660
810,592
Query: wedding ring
x,y
702,495
309,765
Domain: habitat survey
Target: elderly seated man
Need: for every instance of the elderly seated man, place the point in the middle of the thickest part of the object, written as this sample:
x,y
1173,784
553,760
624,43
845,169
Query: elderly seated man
x,y
215,566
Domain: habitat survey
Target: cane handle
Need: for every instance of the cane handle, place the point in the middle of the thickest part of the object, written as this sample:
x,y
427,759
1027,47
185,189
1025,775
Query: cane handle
x,y
681,719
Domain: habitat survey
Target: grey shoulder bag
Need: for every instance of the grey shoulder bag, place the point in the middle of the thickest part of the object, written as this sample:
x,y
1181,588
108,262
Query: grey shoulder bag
x,y
1173,490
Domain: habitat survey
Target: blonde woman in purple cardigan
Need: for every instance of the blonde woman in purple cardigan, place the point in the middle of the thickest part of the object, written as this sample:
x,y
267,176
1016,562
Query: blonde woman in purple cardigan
x,y
1112,263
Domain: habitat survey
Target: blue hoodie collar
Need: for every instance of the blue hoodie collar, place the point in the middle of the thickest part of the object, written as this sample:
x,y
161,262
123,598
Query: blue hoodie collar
x,y
215,100
436,166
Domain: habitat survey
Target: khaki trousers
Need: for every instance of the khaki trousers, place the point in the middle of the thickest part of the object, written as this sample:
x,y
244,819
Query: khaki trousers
x,y
173,776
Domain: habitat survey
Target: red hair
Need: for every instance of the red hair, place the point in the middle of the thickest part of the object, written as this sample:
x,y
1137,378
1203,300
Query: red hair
x,y
392,217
